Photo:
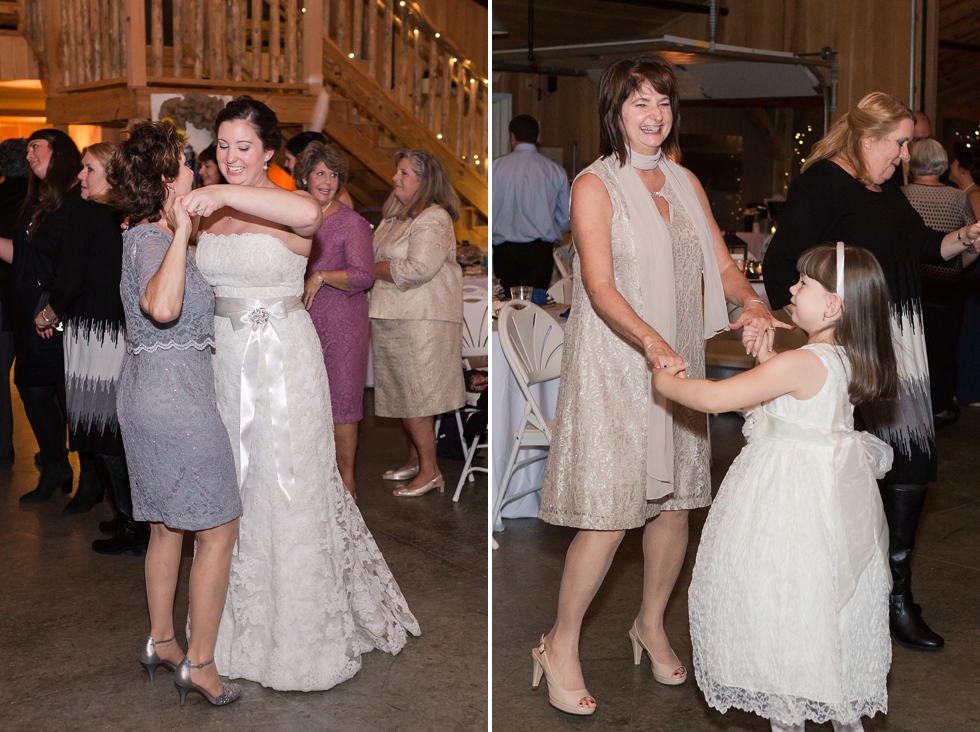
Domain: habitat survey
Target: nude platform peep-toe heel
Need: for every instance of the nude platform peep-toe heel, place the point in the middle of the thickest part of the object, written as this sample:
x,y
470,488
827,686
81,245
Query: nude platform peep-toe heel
x,y
665,673
151,659
559,697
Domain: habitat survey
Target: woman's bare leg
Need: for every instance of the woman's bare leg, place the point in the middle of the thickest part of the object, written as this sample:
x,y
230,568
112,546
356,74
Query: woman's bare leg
x,y
664,549
208,586
161,568
345,438
586,564
422,436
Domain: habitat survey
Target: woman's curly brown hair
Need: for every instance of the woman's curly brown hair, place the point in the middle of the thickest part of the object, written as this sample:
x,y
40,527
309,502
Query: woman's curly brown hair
x,y
141,168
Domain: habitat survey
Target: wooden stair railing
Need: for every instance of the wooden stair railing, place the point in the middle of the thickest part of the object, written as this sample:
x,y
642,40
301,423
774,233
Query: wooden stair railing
x,y
384,56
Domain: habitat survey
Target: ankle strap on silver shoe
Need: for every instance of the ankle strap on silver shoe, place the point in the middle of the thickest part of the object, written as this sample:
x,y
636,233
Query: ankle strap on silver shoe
x,y
155,641
198,665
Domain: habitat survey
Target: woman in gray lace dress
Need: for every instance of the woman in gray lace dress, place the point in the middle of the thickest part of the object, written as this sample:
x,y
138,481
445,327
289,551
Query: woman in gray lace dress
x,y
620,457
180,460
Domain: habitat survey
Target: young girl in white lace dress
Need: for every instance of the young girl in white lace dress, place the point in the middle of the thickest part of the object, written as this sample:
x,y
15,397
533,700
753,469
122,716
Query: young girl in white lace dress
x,y
789,598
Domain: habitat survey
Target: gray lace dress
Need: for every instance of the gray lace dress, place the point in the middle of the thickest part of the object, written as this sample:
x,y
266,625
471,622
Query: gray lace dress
x,y
179,455
596,473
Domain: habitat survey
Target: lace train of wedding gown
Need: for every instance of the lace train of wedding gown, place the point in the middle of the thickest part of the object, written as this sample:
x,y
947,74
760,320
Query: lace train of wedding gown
x,y
309,590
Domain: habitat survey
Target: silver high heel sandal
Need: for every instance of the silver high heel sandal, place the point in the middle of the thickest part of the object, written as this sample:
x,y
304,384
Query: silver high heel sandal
x,y
406,474
182,680
151,659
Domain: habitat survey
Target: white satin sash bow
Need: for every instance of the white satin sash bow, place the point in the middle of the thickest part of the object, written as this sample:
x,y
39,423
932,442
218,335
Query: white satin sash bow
x,y
263,344
859,460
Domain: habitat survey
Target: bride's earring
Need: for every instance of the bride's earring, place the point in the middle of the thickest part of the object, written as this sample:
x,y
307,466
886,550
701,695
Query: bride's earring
x,y
265,167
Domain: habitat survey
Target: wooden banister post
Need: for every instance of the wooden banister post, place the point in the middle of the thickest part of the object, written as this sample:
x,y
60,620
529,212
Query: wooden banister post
x,y
135,43
313,43
52,45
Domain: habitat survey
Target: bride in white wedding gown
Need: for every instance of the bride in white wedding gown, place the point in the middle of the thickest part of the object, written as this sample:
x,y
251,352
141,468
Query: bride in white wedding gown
x,y
309,590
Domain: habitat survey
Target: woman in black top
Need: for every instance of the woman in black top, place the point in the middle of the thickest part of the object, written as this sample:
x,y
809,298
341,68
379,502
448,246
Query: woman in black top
x,y
39,371
85,296
839,197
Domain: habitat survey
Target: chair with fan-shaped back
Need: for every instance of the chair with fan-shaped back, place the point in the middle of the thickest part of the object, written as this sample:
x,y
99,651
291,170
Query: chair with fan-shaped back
x,y
476,319
532,342
561,291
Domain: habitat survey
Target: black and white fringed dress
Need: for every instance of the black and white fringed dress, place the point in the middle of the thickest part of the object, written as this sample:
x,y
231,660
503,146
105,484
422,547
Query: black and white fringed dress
x,y
826,204
86,296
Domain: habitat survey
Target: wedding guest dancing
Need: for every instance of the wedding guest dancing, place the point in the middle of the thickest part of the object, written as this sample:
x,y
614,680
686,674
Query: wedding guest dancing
x,y
309,591
620,459
340,270
839,196
180,460
789,595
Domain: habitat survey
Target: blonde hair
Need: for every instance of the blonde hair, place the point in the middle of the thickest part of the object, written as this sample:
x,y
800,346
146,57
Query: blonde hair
x,y
434,188
873,117
102,151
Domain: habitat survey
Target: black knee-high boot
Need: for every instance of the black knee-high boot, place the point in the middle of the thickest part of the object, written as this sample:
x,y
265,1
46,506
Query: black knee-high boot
x,y
90,487
44,406
903,507
131,535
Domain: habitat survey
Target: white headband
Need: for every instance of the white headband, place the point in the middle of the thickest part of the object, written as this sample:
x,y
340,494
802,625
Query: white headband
x,y
840,270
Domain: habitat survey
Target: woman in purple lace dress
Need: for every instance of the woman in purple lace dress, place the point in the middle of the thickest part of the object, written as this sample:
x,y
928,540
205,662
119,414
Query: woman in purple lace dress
x,y
340,270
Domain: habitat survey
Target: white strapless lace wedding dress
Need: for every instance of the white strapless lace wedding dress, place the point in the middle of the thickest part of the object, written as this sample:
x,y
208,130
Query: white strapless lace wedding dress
x,y
309,590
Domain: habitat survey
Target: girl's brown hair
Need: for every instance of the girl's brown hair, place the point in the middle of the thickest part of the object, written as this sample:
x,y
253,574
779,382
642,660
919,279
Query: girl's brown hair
x,y
620,81
142,166
434,188
864,326
873,117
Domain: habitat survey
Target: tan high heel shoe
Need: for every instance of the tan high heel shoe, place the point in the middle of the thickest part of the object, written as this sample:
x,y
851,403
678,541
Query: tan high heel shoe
x,y
405,492
406,474
665,673
560,698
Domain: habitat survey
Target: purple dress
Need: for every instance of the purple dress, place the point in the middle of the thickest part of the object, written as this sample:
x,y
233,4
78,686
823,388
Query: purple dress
x,y
341,318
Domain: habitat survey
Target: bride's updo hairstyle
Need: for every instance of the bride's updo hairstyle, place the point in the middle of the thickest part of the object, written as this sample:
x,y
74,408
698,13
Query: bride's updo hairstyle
x,y
434,187
864,327
620,81
262,119
874,117
141,167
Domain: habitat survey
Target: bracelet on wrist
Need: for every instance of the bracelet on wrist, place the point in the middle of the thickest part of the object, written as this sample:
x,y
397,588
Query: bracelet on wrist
x,y
319,276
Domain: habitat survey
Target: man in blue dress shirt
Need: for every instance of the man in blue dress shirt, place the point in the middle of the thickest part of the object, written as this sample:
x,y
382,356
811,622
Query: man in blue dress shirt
x,y
530,209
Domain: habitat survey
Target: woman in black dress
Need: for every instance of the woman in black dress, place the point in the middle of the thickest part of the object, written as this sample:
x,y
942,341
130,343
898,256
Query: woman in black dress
x,y
85,297
38,245
839,196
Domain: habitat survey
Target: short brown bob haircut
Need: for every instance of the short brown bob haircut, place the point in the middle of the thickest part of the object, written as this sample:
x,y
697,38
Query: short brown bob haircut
x,y
434,187
142,166
620,81
864,327
311,156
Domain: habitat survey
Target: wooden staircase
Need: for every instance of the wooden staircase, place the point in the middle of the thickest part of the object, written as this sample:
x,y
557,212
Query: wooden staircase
x,y
394,81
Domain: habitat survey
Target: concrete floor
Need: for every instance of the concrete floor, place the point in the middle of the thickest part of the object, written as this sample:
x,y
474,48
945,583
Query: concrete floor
x,y
72,621
938,692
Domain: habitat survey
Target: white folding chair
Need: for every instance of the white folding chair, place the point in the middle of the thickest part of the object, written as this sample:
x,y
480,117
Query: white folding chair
x,y
468,467
563,260
532,342
561,291
476,321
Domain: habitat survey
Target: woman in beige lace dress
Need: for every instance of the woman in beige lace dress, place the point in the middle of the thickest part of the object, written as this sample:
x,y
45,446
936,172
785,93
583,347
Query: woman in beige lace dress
x,y
620,458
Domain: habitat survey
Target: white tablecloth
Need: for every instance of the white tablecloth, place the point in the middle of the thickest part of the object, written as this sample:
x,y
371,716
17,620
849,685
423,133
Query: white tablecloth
x,y
507,404
483,282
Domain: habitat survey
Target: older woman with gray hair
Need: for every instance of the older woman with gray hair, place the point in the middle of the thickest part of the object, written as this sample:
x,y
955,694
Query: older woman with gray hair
x,y
417,313
339,272
944,209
